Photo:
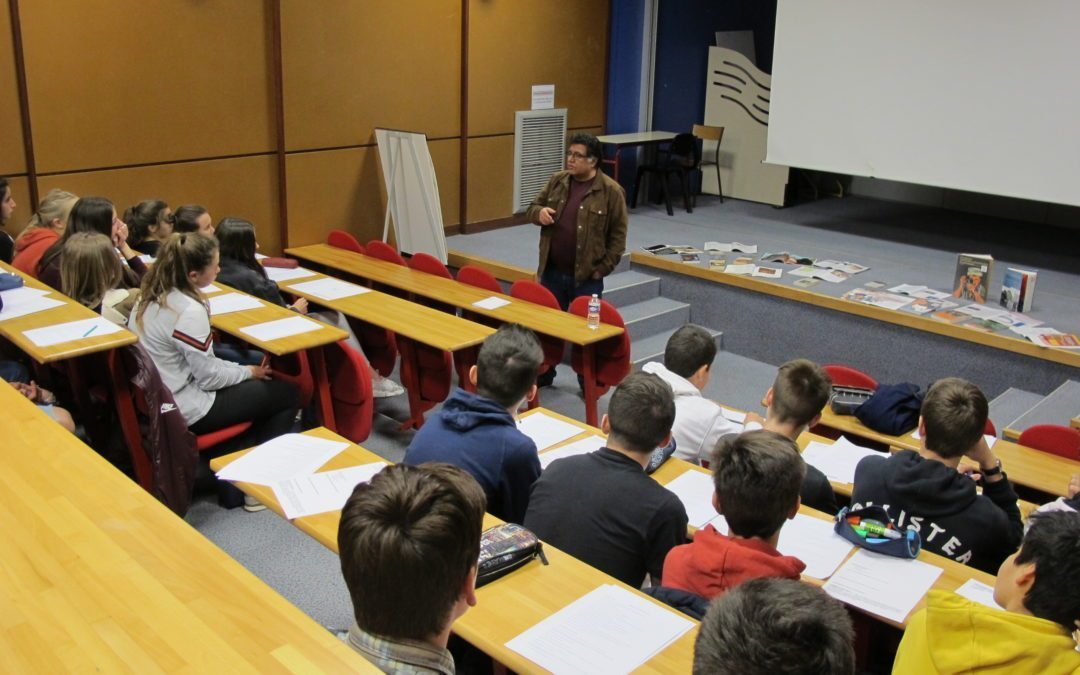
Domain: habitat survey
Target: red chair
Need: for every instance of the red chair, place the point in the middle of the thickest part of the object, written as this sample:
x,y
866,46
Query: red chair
x,y
530,291
350,391
990,429
612,355
295,369
429,264
383,251
342,239
479,277
427,375
1053,438
846,376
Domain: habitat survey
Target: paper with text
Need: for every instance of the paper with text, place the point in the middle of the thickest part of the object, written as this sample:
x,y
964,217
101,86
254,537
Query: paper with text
x,y
580,447
838,460
70,331
546,431
226,303
281,458
281,328
882,585
329,288
814,542
492,302
279,274
321,492
977,591
608,630
25,300
695,490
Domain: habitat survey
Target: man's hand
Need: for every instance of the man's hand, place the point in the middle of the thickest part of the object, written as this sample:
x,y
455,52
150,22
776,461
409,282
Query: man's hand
x,y
260,372
1074,486
301,306
547,216
754,417
985,458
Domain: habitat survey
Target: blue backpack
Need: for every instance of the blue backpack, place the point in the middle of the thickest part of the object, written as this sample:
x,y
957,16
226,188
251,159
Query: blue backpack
x,y
893,409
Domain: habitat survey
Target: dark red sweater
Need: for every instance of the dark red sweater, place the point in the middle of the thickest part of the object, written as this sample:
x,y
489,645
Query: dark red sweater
x,y
714,562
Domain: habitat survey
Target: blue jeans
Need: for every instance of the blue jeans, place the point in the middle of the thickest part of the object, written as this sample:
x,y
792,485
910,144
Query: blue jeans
x,y
564,288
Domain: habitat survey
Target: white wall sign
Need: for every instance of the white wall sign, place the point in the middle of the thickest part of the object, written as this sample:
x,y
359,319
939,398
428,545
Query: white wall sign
x,y
543,96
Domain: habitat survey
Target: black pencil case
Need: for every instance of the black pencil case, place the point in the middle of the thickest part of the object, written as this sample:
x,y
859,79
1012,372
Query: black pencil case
x,y
906,547
503,549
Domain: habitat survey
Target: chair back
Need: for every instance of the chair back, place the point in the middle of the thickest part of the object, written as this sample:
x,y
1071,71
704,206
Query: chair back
x,y
708,133
684,146
479,277
350,391
295,369
130,403
530,291
342,239
612,355
990,429
846,376
1053,438
424,262
383,251
379,345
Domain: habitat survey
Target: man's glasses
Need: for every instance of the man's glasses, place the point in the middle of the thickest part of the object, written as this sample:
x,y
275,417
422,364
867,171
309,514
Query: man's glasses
x,y
576,156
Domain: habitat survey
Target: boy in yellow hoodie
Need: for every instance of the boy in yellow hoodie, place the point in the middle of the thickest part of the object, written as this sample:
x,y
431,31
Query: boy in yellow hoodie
x,y
1038,588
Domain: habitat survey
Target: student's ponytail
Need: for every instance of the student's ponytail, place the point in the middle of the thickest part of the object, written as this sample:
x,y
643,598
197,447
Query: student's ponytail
x,y
177,256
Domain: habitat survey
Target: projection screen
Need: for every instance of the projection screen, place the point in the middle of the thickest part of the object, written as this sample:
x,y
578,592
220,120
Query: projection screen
x,y
977,95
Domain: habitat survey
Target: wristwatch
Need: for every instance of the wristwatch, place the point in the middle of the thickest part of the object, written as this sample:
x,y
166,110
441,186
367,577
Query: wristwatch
x,y
995,470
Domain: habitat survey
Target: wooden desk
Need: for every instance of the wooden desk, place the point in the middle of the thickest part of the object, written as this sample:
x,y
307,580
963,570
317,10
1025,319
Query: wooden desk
x,y
99,576
410,320
643,138
13,329
311,342
547,321
506,607
1031,468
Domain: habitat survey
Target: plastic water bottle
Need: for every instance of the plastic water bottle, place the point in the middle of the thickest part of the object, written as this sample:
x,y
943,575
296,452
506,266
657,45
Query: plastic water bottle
x,y
594,312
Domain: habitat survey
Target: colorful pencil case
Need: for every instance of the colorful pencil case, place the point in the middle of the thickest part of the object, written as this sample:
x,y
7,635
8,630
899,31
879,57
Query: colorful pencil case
x,y
863,527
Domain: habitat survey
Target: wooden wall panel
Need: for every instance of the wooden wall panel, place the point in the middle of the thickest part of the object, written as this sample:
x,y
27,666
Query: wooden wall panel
x,y
245,187
351,66
12,159
343,189
24,208
491,178
514,45
143,81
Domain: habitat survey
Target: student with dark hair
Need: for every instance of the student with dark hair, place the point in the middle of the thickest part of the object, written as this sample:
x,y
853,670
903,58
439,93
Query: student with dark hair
x,y
45,228
687,368
149,222
602,507
7,208
93,214
756,480
409,541
173,323
793,405
193,218
927,490
768,626
1039,590
479,433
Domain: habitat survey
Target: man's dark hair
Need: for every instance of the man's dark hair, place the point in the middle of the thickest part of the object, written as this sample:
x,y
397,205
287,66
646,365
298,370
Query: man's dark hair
x,y
955,413
688,349
185,218
641,412
767,626
757,476
408,540
800,392
507,365
592,145
1052,542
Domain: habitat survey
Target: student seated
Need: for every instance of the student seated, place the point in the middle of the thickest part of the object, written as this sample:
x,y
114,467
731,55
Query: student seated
x,y
173,324
793,405
602,507
7,208
927,490
91,275
409,541
1039,591
43,230
756,478
775,626
478,432
192,218
687,366
92,214
45,400
149,222
1071,500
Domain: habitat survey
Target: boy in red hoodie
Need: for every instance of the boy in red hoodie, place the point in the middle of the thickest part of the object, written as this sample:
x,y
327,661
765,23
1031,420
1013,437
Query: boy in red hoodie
x,y
757,477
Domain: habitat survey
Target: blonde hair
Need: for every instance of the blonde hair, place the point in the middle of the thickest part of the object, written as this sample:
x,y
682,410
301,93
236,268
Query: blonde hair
x,y
89,268
55,205
178,255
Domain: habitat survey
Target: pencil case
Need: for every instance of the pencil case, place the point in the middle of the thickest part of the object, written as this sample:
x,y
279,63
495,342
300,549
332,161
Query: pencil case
x,y
10,281
503,549
907,546
845,400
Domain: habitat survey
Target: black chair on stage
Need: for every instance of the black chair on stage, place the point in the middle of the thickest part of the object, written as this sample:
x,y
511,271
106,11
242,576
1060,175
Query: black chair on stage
x,y
679,159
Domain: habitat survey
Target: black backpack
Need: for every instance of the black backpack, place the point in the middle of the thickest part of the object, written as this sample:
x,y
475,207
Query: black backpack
x,y
893,409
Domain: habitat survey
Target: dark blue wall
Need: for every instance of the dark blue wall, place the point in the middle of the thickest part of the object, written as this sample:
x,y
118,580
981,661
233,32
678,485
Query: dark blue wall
x,y
624,69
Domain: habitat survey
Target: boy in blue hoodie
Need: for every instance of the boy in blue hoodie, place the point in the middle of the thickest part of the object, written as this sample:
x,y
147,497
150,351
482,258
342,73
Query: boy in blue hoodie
x,y
478,432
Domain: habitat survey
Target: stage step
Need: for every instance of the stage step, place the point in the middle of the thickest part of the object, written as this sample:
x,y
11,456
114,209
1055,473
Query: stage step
x,y
1010,405
626,288
651,348
654,316
1059,406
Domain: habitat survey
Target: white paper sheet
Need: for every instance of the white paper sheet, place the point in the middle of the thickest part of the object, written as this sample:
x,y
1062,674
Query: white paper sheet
x,y
71,330
329,288
977,591
275,330
832,276
226,303
733,415
492,302
579,447
695,490
982,312
814,542
990,440
740,269
546,431
147,259
25,300
838,460
279,274
284,457
321,492
882,585
260,256
842,265
733,247
608,630
209,289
